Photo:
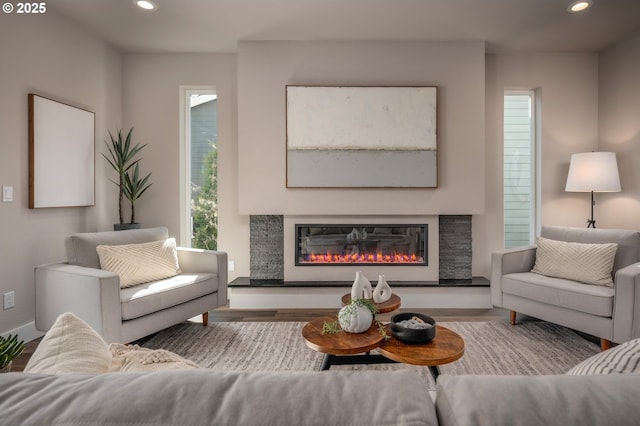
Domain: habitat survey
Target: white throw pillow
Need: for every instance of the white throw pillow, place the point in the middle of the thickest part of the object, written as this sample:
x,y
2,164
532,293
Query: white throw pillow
x,y
70,346
140,263
622,359
586,263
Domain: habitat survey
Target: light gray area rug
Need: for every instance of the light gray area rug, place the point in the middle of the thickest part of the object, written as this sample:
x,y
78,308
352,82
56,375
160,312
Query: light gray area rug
x,y
495,348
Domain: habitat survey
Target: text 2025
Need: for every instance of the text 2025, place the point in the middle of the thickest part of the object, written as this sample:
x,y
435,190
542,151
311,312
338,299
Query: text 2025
x,y
31,7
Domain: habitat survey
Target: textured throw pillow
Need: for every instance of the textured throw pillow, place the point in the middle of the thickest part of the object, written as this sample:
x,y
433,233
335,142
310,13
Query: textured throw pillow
x,y
624,358
135,358
586,263
70,346
140,263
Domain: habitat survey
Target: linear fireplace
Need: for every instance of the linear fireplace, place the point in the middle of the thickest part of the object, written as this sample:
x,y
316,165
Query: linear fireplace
x,y
355,244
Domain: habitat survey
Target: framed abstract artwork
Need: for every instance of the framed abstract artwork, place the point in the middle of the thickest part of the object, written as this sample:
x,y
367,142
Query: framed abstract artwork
x,y
361,137
61,154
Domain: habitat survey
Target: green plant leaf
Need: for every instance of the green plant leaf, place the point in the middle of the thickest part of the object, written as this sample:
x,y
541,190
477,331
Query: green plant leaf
x,y
10,348
331,327
121,157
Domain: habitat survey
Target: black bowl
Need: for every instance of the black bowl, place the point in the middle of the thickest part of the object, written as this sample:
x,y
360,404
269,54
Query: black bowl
x,y
412,335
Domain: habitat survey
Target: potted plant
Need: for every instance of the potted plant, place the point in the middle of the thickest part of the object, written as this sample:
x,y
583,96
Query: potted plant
x,y
10,348
122,158
133,187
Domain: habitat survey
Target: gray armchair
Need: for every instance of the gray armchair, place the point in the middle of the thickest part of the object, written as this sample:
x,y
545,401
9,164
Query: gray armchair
x,y
610,313
127,314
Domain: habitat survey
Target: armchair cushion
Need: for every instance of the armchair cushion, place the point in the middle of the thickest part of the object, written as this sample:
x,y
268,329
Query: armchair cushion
x,y
591,299
140,263
586,263
147,298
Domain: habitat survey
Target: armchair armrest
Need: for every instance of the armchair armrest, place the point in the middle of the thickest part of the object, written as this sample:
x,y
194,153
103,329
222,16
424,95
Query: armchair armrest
x,y
626,308
93,294
197,260
508,261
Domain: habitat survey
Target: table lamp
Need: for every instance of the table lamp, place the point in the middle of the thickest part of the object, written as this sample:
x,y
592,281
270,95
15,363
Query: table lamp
x,y
593,172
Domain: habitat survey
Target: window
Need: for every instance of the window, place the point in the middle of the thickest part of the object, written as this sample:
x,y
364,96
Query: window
x,y
199,155
519,168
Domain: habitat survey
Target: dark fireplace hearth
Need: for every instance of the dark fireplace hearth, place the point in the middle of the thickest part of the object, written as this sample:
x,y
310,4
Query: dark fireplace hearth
x,y
361,244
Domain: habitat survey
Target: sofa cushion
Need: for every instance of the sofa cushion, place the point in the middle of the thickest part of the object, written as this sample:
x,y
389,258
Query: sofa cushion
x,y
592,299
206,397
587,263
81,248
140,263
624,358
154,296
538,400
70,346
628,241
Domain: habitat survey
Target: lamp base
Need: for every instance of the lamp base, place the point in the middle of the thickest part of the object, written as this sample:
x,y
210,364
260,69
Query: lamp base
x,y
591,223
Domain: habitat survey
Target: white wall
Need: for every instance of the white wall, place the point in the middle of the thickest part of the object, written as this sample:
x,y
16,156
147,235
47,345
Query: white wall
x,y
49,56
56,59
568,87
151,95
619,114
265,68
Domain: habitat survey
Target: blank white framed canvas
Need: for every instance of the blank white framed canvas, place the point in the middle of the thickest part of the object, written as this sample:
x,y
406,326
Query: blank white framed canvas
x,y
61,154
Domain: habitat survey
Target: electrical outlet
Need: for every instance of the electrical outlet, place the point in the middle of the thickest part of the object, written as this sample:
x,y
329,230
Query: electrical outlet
x,y
7,194
9,299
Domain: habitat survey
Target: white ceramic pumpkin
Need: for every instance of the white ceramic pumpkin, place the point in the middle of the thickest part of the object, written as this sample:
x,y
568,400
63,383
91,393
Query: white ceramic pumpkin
x,y
355,318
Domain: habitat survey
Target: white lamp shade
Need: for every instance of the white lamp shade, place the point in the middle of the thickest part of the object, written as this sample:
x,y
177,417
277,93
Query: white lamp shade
x,y
593,171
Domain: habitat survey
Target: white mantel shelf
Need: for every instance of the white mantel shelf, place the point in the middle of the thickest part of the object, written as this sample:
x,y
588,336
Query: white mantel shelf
x,y
243,294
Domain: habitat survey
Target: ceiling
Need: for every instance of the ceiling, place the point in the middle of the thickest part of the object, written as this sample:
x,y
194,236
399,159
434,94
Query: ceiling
x,y
218,25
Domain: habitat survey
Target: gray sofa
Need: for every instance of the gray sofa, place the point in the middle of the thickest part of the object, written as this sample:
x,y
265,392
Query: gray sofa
x,y
206,397
610,313
124,315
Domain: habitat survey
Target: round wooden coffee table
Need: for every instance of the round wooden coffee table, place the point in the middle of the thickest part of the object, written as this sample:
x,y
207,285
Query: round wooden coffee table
x,y
341,348
446,347
336,345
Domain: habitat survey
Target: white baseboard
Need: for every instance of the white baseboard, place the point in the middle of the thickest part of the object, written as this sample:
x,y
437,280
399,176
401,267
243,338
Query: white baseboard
x,y
329,298
26,332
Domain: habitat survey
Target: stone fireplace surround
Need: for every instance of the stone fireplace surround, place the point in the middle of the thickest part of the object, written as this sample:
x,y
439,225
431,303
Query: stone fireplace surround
x,y
272,252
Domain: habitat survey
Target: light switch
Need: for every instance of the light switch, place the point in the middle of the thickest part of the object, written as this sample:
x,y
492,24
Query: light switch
x,y
7,194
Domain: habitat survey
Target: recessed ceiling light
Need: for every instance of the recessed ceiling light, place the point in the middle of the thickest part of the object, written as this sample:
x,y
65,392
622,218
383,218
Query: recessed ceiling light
x,y
579,6
145,4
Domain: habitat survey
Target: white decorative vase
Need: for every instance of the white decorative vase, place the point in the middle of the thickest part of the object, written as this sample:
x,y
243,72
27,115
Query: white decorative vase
x,y
382,292
361,287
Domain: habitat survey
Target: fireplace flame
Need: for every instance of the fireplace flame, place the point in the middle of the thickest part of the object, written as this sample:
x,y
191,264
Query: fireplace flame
x,y
362,258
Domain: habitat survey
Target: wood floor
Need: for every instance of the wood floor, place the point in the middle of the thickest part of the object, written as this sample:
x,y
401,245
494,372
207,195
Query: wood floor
x,y
240,315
